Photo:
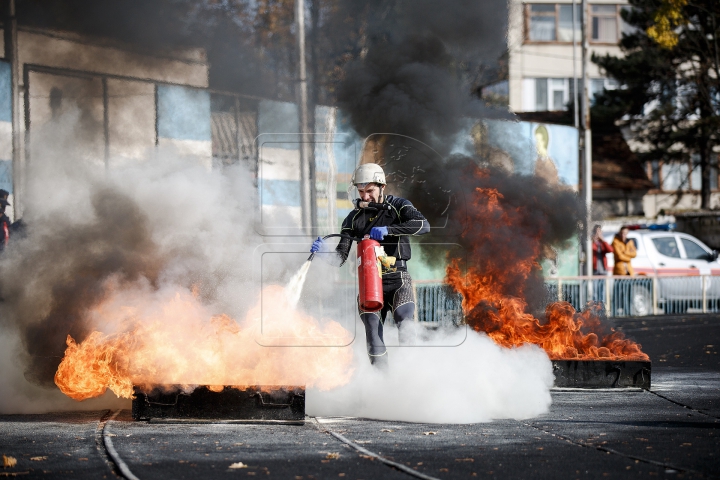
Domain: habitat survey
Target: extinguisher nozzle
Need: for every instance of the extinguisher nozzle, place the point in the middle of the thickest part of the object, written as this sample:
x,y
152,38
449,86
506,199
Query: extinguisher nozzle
x,y
310,258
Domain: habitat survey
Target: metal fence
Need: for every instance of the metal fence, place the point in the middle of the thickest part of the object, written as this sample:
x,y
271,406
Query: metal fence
x,y
438,305
622,296
641,295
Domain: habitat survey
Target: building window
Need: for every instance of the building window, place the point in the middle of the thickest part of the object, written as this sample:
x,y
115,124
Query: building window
x,y
551,22
655,173
606,24
680,176
559,93
565,23
551,94
543,94
599,85
542,23
696,175
604,20
675,177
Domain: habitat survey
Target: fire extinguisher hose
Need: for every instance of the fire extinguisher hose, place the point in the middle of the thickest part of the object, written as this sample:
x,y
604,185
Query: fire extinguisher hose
x,y
341,235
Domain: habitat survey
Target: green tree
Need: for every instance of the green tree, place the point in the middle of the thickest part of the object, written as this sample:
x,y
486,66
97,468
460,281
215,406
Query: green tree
x,y
670,83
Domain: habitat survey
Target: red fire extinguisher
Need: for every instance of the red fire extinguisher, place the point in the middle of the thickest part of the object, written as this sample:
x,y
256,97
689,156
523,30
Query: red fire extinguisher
x,y
370,281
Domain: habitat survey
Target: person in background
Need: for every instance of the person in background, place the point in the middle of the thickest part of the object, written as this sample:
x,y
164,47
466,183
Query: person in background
x,y
4,224
600,248
623,251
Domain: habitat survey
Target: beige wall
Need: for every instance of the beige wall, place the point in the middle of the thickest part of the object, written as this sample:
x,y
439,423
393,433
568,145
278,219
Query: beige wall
x,y
654,202
67,50
544,61
73,89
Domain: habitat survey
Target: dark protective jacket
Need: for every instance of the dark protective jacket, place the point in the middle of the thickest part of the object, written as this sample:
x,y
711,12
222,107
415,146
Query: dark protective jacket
x,y
402,220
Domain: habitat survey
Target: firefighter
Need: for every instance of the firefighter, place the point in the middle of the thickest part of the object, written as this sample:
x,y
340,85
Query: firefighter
x,y
392,228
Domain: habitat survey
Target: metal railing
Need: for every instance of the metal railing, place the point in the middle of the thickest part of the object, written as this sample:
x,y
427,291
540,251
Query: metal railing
x,y
437,304
624,296
640,295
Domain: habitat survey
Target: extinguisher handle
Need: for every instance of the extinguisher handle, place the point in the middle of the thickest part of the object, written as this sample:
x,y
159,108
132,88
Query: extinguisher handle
x,y
341,235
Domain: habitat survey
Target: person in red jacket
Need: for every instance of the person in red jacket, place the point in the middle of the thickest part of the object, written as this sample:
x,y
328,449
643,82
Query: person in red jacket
x,y
600,248
4,224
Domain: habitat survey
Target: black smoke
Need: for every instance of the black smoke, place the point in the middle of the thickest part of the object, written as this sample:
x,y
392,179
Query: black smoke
x,y
418,76
420,66
54,276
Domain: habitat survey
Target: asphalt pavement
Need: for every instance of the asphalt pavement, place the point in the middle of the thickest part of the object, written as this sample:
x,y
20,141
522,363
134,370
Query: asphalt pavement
x,y
670,431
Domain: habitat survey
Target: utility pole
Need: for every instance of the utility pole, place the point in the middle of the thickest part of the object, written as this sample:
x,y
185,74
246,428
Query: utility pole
x,y
11,55
586,142
576,113
307,159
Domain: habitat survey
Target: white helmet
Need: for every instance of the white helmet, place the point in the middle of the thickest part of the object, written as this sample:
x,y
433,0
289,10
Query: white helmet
x,y
368,173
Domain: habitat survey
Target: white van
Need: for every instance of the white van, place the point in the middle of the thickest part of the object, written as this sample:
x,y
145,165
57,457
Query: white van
x,y
668,253
679,260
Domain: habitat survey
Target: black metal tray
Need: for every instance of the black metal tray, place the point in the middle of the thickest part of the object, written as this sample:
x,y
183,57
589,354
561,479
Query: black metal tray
x,y
242,403
601,374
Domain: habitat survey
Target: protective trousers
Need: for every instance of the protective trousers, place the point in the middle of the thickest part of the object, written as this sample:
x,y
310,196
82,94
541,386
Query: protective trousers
x,y
398,299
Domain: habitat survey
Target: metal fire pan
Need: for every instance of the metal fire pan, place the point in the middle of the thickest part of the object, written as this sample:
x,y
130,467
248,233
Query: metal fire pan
x,y
267,404
601,374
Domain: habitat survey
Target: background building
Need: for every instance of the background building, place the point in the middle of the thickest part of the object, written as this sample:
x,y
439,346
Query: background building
x,y
540,43
125,101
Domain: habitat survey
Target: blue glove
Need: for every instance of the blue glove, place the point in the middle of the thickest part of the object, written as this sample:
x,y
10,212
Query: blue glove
x,y
378,233
317,245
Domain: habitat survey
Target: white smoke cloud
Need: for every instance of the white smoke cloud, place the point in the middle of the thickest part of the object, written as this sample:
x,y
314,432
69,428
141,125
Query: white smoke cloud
x,y
189,226
475,381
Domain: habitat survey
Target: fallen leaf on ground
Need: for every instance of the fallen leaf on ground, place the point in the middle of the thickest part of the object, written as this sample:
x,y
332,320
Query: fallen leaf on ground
x,y
38,459
9,461
387,430
332,456
363,442
238,465
464,459
430,433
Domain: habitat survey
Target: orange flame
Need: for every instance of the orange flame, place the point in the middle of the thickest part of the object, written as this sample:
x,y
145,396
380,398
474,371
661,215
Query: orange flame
x,y
494,303
177,341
